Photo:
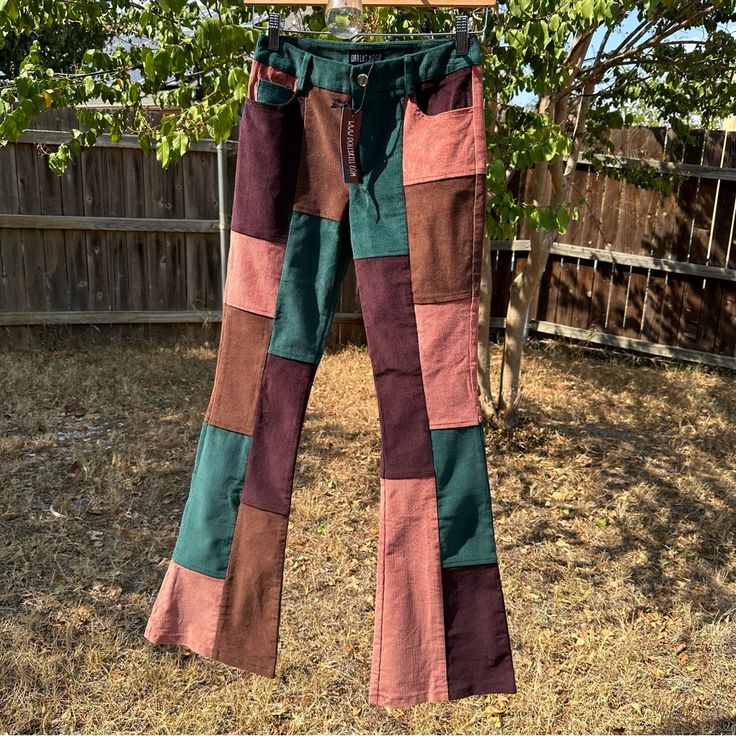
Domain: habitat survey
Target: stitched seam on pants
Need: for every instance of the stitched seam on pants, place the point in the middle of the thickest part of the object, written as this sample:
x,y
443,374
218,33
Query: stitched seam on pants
x,y
472,561
383,588
471,340
213,403
454,424
413,310
224,608
456,174
307,211
408,476
257,236
302,358
442,297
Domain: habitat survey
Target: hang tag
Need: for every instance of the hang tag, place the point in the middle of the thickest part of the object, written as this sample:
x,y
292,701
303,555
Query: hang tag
x,y
349,137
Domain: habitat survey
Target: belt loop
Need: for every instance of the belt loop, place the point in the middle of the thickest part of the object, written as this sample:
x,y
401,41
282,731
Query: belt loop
x,y
409,75
304,67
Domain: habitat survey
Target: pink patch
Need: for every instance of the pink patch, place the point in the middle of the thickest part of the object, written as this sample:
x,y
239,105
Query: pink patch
x,y
408,664
447,144
258,70
253,274
186,610
449,360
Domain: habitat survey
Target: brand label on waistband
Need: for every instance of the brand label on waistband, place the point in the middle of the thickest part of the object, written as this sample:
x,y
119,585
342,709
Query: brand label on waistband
x,y
361,57
349,136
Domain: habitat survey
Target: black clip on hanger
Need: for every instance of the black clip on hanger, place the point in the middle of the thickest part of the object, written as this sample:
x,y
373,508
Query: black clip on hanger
x,y
462,35
274,29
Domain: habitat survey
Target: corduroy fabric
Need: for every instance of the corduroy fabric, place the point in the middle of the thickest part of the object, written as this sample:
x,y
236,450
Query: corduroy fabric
x,y
206,531
316,259
235,391
187,610
463,497
412,224
431,58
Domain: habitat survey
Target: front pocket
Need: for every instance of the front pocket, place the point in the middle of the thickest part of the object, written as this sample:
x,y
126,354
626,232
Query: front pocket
x,y
453,91
446,143
273,93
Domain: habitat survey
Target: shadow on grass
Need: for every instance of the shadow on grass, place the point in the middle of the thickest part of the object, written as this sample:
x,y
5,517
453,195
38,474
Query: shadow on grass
x,y
637,458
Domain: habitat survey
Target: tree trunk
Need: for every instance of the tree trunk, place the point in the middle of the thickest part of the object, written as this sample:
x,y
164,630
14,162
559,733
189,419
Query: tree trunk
x,y
523,291
550,184
487,404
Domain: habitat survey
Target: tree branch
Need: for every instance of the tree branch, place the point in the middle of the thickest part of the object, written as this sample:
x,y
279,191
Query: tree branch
x,y
594,72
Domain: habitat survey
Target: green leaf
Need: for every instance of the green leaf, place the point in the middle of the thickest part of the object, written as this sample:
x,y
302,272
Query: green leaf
x,y
563,220
10,8
163,152
180,143
149,68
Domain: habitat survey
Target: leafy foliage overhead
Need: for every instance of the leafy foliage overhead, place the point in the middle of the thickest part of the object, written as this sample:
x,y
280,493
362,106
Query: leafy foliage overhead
x,y
585,66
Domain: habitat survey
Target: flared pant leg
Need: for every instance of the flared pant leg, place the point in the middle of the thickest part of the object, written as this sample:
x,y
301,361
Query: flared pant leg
x,y
417,224
289,252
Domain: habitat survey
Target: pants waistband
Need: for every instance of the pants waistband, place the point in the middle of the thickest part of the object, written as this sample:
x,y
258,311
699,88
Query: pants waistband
x,y
402,64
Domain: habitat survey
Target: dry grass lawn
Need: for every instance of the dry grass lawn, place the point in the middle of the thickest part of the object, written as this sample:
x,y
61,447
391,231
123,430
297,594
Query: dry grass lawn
x,y
615,517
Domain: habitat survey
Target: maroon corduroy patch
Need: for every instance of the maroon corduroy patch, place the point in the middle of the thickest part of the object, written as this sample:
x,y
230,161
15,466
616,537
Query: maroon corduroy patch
x,y
476,634
269,151
384,284
282,403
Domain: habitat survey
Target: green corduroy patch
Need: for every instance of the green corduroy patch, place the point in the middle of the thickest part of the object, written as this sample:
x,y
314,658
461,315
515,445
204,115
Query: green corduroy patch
x,y
206,529
463,497
272,92
377,209
316,259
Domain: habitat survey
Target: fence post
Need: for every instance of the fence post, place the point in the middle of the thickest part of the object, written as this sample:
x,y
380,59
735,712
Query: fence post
x,y
222,205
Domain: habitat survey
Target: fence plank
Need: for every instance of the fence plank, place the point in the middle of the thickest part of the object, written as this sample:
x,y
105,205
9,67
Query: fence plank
x,y
34,266
54,245
72,204
134,189
726,330
12,288
45,136
642,346
201,202
113,162
94,183
106,223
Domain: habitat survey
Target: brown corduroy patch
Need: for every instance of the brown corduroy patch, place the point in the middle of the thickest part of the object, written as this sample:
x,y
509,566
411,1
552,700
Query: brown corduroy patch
x,y
241,357
248,626
320,189
444,238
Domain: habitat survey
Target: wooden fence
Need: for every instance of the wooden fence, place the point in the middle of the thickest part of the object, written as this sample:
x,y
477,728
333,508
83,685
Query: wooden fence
x,y
118,239
641,270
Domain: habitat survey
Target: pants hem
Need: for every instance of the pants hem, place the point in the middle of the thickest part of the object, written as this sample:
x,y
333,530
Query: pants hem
x,y
185,641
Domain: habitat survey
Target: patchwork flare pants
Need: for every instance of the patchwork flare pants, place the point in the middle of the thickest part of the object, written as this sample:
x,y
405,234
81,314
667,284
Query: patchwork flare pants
x,y
376,153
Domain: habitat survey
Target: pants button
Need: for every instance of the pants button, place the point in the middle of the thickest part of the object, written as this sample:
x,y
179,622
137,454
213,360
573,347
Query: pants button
x,y
362,79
